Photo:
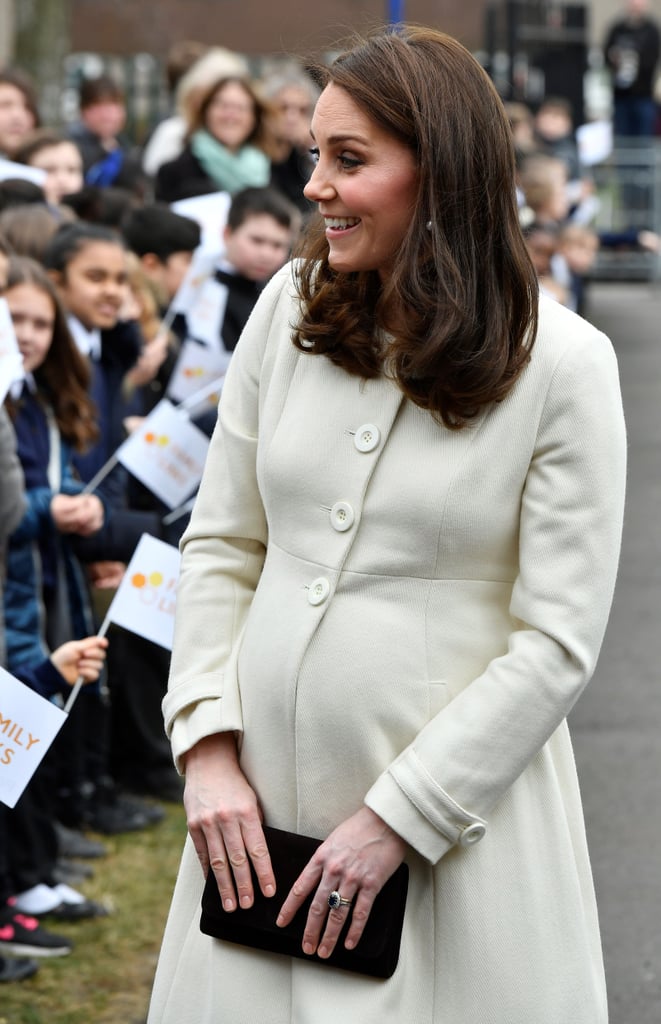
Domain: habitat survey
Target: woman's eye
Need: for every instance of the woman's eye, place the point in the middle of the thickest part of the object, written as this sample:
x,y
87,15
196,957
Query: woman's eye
x,y
314,155
348,162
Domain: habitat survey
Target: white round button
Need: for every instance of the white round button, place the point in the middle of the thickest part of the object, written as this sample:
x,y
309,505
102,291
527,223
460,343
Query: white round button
x,y
472,834
367,437
318,590
342,516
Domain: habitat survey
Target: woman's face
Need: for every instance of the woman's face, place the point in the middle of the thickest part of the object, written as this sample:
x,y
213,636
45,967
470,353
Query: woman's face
x,y
231,116
94,284
16,118
64,170
365,184
33,316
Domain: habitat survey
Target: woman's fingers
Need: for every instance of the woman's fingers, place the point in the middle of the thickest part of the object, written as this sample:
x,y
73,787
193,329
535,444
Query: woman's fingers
x,y
258,852
224,820
300,890
359,911
355,862
229,853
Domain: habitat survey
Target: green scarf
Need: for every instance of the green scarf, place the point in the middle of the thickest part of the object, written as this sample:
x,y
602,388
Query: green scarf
x,y
230,171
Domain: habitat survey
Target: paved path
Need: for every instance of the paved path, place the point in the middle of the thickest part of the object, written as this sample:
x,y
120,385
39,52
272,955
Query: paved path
x,y
617,723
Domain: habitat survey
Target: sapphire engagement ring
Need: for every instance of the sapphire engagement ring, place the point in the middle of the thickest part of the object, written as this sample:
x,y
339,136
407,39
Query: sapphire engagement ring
x,y
335,901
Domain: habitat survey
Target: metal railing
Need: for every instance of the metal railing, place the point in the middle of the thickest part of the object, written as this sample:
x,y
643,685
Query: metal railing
x,y
628,188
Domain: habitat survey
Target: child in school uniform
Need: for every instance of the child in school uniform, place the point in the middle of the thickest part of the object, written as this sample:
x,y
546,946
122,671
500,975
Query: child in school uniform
x,y
45,593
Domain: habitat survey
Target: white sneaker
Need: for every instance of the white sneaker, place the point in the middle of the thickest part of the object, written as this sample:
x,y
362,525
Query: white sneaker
x,y
67,895
40,899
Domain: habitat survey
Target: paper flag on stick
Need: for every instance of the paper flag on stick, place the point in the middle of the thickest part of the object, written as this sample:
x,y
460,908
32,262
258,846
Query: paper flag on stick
x,y
199,271
210,211
145,599
167,453
11,361
28,725
196,367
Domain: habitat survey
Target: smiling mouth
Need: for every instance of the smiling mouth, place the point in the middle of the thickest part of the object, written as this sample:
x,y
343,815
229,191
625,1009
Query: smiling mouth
x,y
341,223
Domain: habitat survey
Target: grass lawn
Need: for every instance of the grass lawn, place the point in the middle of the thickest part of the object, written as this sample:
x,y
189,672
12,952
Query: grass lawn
x,y
108,977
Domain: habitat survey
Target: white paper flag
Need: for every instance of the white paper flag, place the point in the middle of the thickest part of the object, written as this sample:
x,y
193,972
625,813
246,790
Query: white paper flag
x,y
201,267
11,361
210,211
167,453
197,366
28,725
9,169
207,312
145,599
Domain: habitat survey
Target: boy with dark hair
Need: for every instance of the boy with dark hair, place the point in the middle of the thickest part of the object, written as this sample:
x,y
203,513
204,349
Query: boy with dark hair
x,y
164,241
262,225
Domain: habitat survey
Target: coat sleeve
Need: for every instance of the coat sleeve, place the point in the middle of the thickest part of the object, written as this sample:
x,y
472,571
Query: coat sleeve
x,y
223,551
464,760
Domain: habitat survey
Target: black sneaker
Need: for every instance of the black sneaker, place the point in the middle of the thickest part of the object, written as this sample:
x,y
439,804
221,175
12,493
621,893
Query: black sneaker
x,y
113,819
72,843
71,872
17,970
22,935
152,812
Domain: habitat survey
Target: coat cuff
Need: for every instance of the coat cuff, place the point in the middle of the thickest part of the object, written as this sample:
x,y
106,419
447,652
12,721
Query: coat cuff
x,y
420,811
196,710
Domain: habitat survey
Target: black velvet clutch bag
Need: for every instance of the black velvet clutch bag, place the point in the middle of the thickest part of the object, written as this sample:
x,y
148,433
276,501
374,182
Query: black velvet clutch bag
x,y
377,951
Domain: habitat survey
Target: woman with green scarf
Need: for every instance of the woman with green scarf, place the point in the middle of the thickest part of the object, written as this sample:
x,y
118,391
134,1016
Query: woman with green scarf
x,y
227,146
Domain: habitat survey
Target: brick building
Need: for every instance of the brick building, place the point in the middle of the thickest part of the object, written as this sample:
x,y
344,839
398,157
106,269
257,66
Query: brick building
x,y
254,27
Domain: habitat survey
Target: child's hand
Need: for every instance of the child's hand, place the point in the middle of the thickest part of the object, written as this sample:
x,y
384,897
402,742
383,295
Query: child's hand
x,y
77,513
80,658
105,575
149,362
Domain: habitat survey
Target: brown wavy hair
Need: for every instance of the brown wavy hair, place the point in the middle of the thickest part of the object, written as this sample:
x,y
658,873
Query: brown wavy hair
x,y
64,376
463,281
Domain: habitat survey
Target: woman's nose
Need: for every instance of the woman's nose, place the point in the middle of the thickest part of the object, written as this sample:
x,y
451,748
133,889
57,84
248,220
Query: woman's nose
x,y
318,186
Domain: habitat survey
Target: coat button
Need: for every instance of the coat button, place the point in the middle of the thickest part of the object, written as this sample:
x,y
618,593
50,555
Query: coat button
x,y
367,437
342,516
318,590
472,834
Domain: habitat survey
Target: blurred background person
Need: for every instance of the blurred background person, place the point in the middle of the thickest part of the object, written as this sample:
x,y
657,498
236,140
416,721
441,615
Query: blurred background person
x,y
631,51
108,157
58,157
19,114
229,142
293,95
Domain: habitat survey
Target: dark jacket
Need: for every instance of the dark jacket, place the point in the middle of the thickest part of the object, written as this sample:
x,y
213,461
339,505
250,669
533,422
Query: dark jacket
x,y
38,556
640,40
116,541
182,178
119,168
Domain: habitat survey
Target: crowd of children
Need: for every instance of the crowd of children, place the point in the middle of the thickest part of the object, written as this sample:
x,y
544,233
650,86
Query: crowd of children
x,y
90,265
558,204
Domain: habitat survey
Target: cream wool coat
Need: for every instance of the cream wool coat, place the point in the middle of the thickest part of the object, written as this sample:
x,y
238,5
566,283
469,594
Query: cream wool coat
x,y
390,612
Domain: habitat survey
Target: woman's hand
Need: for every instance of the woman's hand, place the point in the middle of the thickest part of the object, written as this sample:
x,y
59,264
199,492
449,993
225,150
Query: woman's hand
x,y
356,860
225,821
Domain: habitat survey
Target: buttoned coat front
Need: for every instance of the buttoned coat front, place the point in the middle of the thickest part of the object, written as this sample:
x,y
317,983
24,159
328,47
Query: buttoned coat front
x,y
391,612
